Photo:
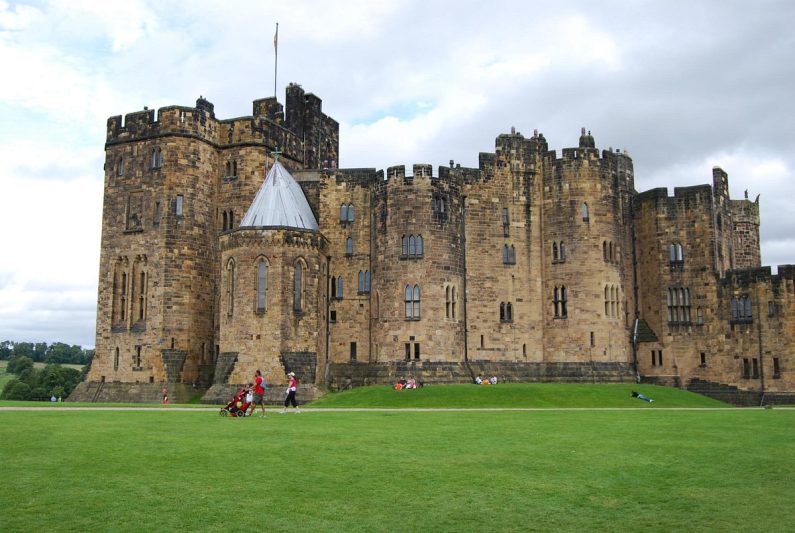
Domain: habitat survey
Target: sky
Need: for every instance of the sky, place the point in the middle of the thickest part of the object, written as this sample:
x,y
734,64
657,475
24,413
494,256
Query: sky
x,y
681,85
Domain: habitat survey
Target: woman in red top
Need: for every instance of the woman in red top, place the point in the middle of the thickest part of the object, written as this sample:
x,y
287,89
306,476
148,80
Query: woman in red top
x,y
291,389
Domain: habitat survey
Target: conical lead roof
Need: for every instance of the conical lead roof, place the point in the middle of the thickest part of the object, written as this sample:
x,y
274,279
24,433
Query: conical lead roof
x,y
280,202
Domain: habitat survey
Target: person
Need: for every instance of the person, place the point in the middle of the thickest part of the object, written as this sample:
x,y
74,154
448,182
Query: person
x,y
493,380
478,380
291,390
640,396
165,395
411,383
258,396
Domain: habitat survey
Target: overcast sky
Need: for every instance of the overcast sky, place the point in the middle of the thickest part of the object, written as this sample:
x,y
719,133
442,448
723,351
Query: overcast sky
x,y
682,85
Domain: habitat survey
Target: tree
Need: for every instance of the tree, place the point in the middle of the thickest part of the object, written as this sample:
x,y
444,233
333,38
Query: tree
x,y
23,348
18,391
6,348
19,364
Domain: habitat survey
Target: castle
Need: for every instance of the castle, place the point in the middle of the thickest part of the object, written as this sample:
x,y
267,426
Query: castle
x,y
535,266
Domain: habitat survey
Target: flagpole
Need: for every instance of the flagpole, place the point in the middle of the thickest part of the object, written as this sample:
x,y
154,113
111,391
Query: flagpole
x,y
276,56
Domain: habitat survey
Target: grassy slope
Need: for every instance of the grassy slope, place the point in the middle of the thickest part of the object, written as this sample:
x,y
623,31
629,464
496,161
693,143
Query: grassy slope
x,y
648,470
517,395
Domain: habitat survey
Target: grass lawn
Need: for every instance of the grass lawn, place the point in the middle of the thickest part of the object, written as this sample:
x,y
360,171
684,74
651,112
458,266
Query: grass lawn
x,y
535,395
618,470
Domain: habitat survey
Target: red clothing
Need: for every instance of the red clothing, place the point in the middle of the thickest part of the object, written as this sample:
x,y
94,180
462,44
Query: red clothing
x,y
259,383
293,383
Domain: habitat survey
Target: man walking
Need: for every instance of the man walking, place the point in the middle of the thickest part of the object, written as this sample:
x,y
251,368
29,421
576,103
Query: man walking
x,y
259,392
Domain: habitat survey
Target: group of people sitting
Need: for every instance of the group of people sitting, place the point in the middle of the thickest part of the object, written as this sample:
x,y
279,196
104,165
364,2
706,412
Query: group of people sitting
x,y
410,383
491,381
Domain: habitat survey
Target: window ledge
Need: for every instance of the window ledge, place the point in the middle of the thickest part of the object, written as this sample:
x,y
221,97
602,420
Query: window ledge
x,y
138,229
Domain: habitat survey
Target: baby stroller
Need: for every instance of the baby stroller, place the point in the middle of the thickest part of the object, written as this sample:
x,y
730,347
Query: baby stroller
x,y
239,404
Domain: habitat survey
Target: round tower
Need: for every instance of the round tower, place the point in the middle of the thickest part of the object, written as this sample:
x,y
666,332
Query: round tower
x,y
587,255
418,266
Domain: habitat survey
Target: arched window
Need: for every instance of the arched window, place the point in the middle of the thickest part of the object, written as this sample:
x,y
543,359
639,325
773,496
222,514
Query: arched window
x,y
157,157
230,287
554,251
360,288
343,213
502,311
505,257
448,302
604,250
416,302
123,310
408,302
412,301
610,251
680,255
116,360
142,297
509,312
231,219
559,302
349,246
226,221
562,256
262,284
455,301
672,252
584,210
412,245
404,242
607,301
339,288
512,255
419,245
351,214
298,287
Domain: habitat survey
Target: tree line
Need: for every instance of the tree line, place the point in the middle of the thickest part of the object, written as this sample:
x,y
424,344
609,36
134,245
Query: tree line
x,y
54,380
40,352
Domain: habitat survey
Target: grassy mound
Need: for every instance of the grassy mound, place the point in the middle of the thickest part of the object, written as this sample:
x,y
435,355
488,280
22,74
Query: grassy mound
x,y
516,395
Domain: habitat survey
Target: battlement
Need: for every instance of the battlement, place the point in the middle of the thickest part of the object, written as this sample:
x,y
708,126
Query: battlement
x,y
694,195
305,135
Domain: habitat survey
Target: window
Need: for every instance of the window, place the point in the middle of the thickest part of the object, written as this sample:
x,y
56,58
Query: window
x,y
771,308
455,302
593,339
347,213
353,351
562,256
676,254
137,358
741,309
157,157
776,368
702,359
506,220
508,255
678,305
120,167
506,313
225,221
332,316
230,287
699,316
559,302
746,368
298,287
116,360
411,246
178,206
412,301
755,367
439,208
364,281
339,288
123,310
349,246
158,214
585,213
262,284
554,252
142,297
448,300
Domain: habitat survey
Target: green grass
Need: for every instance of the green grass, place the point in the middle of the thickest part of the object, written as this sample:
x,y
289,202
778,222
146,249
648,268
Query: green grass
x,y
517,395
618,470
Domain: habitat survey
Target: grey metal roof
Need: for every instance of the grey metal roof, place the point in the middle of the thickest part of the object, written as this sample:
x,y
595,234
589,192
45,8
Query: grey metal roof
x,y
280,202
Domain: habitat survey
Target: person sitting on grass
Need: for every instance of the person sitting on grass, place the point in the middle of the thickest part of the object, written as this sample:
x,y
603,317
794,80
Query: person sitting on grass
x,y
493,380
640,396
478,380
